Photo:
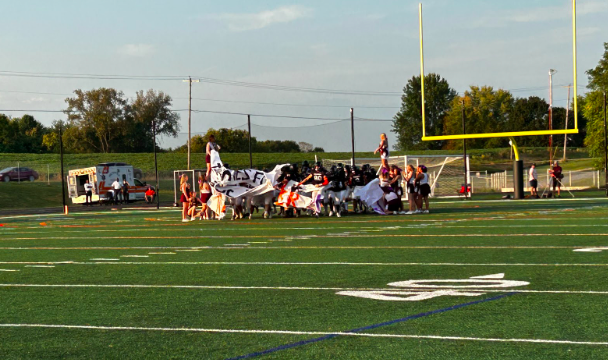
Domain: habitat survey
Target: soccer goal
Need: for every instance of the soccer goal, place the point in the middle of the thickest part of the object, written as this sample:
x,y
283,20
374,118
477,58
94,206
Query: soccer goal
x,y
446,172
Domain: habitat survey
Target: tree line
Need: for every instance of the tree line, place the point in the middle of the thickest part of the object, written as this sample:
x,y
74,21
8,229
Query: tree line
x,y
489,110
237,141
104,121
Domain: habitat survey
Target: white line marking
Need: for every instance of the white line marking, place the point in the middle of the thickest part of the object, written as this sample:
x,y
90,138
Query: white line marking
x,y
294,263
134,256
40,266
8,270
162,253
494,276
177,248
592,250
287,332
285,288
102,259
296,238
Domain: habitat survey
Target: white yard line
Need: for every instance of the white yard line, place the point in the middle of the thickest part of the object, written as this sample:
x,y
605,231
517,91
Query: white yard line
x,y
109,262
239,246
152,210
289,288
311,333
279,236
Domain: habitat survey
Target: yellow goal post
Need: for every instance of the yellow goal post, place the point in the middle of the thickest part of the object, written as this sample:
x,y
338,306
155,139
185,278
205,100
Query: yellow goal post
x,y
500,134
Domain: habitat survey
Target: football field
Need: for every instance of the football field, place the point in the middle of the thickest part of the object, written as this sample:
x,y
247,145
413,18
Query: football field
x,y
471,280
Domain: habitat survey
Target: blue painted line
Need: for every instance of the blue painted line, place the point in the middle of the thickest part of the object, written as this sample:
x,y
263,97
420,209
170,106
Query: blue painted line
x,y
370,327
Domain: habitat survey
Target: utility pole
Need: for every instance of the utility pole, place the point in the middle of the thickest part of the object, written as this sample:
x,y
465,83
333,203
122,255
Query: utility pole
x,y
605,146
190,81
352,134
566,123
551,73
249,133
61,156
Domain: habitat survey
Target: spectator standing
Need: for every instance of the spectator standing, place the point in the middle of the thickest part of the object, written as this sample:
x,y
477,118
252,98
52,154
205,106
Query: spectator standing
x,y
88,188
116,189
533,177
125,191
556,177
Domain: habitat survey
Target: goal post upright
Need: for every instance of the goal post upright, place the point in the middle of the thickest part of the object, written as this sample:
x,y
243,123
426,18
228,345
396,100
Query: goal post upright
x,y
518,164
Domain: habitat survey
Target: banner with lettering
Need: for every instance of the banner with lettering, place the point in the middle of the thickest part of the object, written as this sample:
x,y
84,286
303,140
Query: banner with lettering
x,y
241,183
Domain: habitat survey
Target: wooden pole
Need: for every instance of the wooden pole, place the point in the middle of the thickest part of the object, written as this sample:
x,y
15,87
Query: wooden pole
x,y
249,132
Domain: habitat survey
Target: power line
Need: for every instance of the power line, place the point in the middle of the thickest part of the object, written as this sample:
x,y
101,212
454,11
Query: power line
x,y
287,104
301,126
33,92
203,79
268,116
37,111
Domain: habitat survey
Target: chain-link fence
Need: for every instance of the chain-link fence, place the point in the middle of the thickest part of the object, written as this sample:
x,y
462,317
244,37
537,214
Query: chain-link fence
x,y
575,180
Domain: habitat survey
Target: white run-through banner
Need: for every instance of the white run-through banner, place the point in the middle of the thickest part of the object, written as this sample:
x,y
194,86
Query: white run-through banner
x,y
226,183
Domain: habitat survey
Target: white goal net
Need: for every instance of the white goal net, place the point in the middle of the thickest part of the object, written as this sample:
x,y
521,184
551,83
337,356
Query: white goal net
x,y
446,172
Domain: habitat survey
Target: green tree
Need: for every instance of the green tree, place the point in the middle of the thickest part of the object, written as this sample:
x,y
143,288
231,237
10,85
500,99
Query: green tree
x,y
277,146
146,109
231,141
531,114
407,123
96,119
593,108
21,135
486,111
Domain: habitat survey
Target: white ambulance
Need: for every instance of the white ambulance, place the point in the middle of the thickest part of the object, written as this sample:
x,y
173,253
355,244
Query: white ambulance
x,y
101,177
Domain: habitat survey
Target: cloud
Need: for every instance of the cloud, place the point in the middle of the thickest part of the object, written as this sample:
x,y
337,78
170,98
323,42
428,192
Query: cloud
x,y
539,14
375,17
34,100
260,20
549,13
137,50
588,31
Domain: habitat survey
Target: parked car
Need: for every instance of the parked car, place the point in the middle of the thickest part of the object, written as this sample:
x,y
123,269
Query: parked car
x,y
14,174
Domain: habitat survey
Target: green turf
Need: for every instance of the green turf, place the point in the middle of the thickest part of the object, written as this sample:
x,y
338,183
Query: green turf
x,y
284,274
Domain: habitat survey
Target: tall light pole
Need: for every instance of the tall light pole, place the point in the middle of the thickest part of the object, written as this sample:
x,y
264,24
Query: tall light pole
x,y
551,73
190,81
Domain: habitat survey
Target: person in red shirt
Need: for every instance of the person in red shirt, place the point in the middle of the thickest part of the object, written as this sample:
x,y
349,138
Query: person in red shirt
x,y
150,195
556,178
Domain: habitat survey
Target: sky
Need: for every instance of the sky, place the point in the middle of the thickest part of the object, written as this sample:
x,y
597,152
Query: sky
x,y
365,50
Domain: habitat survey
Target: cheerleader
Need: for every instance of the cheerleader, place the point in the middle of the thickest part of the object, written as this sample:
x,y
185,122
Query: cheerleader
x,y
412,195
383,150
424,189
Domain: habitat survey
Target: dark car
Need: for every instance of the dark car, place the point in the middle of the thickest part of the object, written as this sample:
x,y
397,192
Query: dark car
x,y
14,174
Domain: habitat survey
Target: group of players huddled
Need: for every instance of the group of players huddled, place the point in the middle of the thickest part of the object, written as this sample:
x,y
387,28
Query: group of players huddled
x,y
330,189
336,187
